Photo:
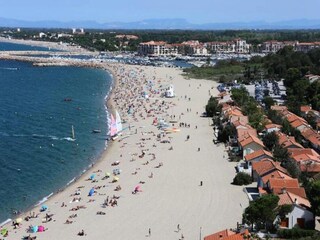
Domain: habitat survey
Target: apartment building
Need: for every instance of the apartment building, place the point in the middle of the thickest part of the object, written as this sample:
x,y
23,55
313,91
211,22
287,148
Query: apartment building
x,y
159,48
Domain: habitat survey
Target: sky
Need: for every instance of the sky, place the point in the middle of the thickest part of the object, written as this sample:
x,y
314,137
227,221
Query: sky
x,y
196,11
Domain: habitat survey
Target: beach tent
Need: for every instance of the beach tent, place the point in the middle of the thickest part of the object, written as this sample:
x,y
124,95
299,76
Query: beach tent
x,y
43,208
91,192
41,229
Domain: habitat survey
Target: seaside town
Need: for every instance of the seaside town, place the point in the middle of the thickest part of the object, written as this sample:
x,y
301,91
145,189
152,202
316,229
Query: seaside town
x,y
209,140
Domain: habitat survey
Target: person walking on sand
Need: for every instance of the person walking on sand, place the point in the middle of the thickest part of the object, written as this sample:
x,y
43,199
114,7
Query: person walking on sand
x,y
178,227
149,232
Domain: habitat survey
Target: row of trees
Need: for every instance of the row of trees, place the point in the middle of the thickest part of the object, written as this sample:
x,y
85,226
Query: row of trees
x,y
254,37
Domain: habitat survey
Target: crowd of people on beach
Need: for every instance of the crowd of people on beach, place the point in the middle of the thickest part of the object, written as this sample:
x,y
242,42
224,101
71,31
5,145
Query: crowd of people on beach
x,y
137,98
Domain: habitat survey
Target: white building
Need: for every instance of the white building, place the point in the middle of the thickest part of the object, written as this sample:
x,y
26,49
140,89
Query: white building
x,y
300,215
42,35
159,48
238,45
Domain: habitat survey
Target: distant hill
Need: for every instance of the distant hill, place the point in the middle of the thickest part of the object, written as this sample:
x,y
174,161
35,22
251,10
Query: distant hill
x,y
164,24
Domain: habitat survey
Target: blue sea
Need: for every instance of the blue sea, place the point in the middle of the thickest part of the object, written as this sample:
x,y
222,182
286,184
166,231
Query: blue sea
x,y
39,106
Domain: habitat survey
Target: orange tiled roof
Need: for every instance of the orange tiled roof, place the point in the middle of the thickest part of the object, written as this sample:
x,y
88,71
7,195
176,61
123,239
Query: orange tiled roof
x,y
278,108
276,185
220,235
275,174
251,139
291,198
283,183
266,165
292,117
297,123
315,139
272,125
234,111
287,141
304,154
246,133
241,124
258,153
244,120
228,235
308,132
313,167
305,108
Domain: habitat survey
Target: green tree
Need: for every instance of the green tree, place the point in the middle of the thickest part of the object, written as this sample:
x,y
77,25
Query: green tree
x,y
262,211
293,74
292,167
268,102
242,179
270,140
226,132
280,153
212,107
314,196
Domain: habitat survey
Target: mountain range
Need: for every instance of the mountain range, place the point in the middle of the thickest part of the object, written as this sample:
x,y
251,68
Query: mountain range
x,y
164,24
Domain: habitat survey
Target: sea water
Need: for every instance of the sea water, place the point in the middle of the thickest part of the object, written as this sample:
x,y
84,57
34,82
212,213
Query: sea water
x,y
39,106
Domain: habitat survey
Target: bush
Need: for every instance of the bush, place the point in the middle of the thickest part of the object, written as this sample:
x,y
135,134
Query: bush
x,y
295,233
242,179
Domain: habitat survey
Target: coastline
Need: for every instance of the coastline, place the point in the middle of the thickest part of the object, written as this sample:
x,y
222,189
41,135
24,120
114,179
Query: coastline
x,y
108,105
172,195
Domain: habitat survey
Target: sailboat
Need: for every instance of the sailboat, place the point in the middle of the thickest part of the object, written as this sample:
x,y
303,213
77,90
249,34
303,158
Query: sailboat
x,y
72,133
113,126
118,122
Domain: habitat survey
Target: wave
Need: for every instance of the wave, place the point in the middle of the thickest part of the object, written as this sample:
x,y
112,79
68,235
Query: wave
x,y
43,200
4,134
5,222
9,68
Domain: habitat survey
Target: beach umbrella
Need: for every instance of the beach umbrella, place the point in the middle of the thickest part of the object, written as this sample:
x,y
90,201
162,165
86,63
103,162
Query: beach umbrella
x,y
18,220
108,174
116,179
92,176
91,192
34,229
44,208
137,188
41,229
4,231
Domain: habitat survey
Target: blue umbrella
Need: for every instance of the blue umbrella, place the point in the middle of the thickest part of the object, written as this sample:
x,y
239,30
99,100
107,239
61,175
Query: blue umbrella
x,y
92,176
44,208
34,229
91,192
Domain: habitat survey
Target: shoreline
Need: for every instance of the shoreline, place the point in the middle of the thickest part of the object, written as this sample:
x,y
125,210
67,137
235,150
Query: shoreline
x,y
108,144
172,194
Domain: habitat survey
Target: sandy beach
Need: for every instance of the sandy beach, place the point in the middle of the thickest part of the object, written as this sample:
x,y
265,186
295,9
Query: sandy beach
x,y
178,181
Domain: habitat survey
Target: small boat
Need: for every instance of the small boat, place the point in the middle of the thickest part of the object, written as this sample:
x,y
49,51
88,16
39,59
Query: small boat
x,y
96,131
72,133
67,100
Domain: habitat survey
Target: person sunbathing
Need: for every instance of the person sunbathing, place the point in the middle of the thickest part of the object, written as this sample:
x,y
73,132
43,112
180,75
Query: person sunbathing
x,y
81,233
68,221
101,213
